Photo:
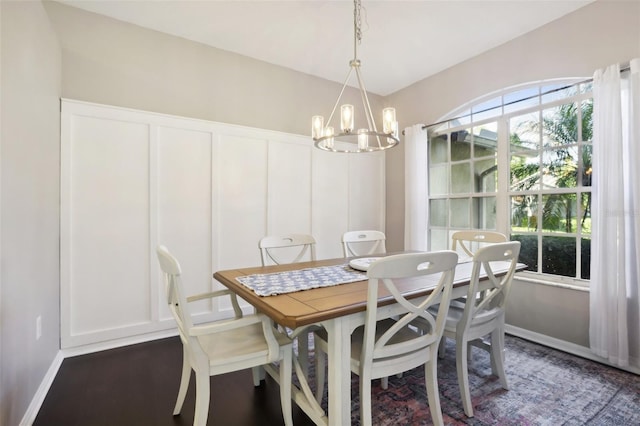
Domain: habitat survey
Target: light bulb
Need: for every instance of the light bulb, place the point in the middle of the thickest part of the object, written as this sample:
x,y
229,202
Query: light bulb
x,y
346,122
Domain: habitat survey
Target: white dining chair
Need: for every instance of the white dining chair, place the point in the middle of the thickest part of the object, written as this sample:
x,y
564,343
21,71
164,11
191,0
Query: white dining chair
x,y
289,248
284,249
384,346
466,243
363,243
482,315
223,346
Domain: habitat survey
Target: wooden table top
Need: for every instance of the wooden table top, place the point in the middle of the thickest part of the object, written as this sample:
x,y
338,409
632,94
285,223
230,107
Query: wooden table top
x,y
319,304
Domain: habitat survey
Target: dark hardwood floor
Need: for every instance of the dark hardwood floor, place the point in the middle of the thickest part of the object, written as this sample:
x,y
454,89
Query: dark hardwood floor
x,y
137,386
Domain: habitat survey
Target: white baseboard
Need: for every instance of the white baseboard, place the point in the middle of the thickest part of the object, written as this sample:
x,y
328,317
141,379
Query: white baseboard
x,y
564,346
32,411
118,343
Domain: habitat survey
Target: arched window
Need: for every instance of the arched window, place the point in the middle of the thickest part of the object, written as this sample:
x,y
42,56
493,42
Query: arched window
x,y
519,162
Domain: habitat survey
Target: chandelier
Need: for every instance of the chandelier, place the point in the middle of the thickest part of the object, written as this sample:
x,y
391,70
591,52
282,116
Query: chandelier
x,y
350,139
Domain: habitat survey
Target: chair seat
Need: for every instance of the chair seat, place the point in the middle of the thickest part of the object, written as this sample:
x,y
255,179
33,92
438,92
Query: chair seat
x,y
357,338
239,345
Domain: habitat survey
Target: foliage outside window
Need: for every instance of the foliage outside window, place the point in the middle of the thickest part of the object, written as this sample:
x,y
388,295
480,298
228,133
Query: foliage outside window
x,y
519,163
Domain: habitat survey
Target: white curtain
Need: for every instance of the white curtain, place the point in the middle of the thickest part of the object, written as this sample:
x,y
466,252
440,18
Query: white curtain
x,y
416,203
614,330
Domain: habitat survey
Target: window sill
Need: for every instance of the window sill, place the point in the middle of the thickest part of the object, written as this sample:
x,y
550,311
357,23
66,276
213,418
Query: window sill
x,y
566,283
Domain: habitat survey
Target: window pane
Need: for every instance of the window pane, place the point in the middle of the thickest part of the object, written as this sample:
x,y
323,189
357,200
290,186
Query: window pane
x,y
560,168
524,131
524,213
585,219
461,178
524,172
486,175
438,149
587,170
559,213
460,213
485,140
586,87
585,260
460,145
438,212
439,240
438,128
587,120
484,213
559,256
557,91
463,118
439,180
487,109
528,250
521,99
560,125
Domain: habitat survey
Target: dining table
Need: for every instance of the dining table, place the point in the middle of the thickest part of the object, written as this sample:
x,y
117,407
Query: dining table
x,y
337,304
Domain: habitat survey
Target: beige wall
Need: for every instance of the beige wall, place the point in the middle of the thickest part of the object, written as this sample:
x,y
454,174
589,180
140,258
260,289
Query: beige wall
x,y
600,34
29,200
115,63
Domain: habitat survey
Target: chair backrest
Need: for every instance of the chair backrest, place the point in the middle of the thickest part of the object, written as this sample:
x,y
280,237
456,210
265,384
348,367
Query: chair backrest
x,y
283,249
483,305
363,243
466,243
436,270
175,294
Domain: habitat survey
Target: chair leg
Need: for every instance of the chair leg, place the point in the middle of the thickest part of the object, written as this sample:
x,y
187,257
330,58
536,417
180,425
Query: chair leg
x,y
463,376
384,382
321,365
497,357
303,352
203,389
365,399
441,347
285,388
433,395
258,375
184,382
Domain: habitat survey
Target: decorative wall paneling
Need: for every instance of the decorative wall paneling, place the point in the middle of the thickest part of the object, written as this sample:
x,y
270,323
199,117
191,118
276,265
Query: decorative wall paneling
x,y
209,191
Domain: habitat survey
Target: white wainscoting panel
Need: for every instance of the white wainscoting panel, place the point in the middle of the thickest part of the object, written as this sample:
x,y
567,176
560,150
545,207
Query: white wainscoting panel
x,y
183,210
209,191
289,188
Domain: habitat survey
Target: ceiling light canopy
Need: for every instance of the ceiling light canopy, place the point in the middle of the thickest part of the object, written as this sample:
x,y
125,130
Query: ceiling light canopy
x,y
350,139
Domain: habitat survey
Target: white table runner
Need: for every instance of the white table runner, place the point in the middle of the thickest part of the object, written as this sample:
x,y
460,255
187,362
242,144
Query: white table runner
x,y
303,279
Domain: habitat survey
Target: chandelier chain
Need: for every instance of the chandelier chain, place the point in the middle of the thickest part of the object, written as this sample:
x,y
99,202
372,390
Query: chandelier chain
x,y
358,21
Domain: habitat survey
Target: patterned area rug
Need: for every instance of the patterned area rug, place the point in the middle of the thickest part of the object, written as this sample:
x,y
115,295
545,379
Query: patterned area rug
x,y
547,387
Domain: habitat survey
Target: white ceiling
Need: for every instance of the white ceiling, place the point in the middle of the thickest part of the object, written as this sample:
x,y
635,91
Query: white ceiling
x,y
403,41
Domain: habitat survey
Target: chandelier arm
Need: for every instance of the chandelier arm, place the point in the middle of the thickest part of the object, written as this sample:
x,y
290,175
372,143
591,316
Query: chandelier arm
x,y
367,107
344,86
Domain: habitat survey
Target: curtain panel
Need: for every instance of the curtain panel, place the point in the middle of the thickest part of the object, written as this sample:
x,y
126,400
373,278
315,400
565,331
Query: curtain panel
x,y
416,183
614,329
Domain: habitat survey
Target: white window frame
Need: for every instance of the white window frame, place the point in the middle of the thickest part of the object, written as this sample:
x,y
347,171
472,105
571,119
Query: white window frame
x,y
504,194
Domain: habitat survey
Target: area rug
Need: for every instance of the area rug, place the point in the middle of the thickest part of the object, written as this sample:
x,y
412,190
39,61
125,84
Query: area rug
x,y
547,387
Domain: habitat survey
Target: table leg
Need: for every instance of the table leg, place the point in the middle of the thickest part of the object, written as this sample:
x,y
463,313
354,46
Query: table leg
x,y
339,372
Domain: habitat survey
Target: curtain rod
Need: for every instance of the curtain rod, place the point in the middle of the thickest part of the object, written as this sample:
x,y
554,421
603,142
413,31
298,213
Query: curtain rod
x,y
589,80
